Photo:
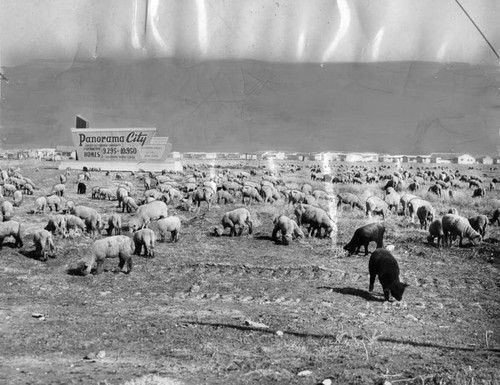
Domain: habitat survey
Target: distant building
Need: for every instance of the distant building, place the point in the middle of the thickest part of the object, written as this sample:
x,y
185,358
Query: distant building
x,y
465,159
443,158
66,152
409,159
485,159
176,155
423,159
359,157
385,158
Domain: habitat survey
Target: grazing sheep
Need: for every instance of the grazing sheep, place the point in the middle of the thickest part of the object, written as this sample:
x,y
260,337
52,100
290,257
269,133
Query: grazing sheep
x,y
147,213
436,189
372,232
288,229
39,206
375,205
11,228
81,188
405,199
202,194
95,192
145,238
453,210
119,246
320,194
56,224
249,194
295,196
129,204
44,244
18,198
224,196
121,193
383,264
153,193
414,205
114,224
28,189
349,199
456,225
392,198
106,193
9,189
91,218
237,217
436,231
171,224
74,223
479,192
495,217
425,214
54,202
316,217
58,189
6,211
68,207
479,224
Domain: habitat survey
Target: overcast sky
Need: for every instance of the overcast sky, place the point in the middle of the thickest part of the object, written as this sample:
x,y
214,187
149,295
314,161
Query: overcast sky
x,y
281,30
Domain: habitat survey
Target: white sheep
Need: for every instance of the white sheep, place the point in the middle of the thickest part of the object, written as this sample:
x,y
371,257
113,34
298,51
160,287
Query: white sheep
x,y
40,204
7,211
288,229
44,244
171,224
74,223
114,224
119,246
456,225
147,213
18,198
145,238
57,225
11,228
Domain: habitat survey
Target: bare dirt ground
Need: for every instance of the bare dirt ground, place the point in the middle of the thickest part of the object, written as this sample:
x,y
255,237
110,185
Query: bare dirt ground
x,y
182,317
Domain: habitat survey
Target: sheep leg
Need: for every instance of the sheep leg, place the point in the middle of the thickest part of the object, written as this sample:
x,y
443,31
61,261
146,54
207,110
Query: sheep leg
x,y
125,259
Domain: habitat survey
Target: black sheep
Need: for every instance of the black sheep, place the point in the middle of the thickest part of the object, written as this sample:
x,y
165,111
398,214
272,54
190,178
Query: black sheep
x,y
81,189
373,232
383,264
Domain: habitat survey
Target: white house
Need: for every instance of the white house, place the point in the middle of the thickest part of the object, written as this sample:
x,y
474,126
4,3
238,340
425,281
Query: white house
x,y
466,159
485,159
360,157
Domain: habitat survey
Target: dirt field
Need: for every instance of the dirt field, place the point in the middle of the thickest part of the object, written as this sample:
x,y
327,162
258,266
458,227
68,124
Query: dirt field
x,y
247,310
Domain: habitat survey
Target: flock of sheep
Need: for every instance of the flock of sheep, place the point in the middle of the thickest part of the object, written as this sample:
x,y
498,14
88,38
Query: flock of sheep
x,y
204,183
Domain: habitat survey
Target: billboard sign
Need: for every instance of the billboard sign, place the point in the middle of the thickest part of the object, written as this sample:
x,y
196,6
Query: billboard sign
x,y
117,144
156,150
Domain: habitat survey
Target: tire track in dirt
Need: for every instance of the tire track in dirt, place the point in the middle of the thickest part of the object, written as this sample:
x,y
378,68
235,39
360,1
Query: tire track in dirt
x,y
309,272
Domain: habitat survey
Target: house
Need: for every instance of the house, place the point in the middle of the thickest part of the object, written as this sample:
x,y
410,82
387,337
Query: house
x,y
423,159
176,155
66,152
465,159
359,157
485,159
409,159
385,158
210,155
443,158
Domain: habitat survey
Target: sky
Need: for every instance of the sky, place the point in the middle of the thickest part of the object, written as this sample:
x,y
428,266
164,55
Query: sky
x,y
272,30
